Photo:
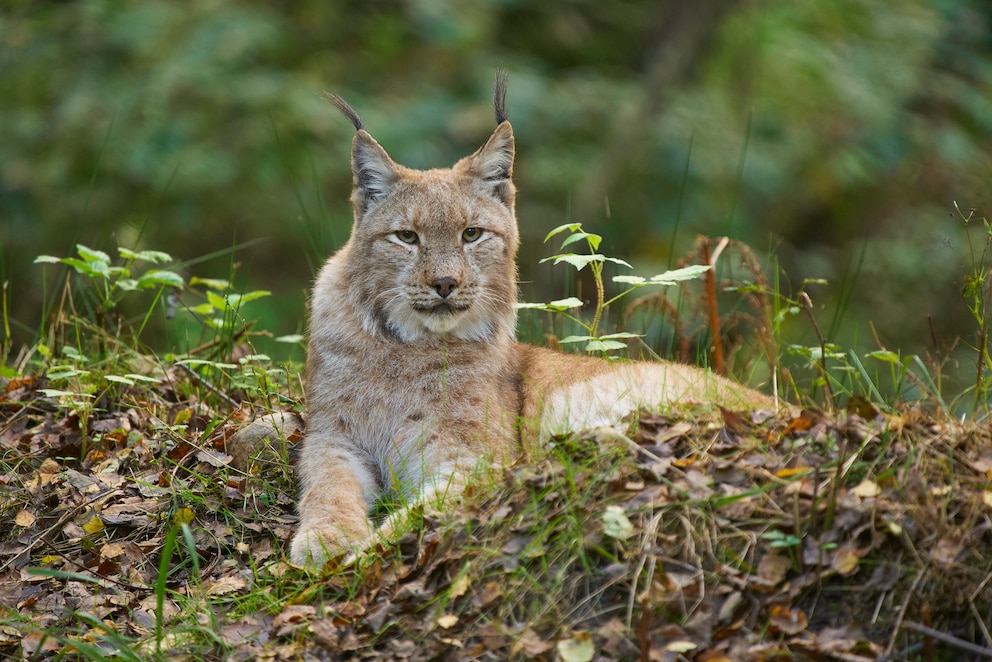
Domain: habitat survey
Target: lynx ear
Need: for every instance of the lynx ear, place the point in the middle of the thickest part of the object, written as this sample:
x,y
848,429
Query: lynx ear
x,y
492,165
375,173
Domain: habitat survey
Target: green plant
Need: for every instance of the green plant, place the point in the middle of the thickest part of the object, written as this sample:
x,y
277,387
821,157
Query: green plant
x,y
594,261
110,283
977,292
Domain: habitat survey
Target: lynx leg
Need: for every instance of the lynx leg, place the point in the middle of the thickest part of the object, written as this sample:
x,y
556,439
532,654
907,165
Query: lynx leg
x,y
441,485
337,489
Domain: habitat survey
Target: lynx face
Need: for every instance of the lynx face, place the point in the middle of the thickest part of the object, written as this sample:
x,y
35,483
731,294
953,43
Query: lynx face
x,y
434,251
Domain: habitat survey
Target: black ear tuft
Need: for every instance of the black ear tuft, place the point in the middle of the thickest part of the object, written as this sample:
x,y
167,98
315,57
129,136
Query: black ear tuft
x,y
499,96
348,111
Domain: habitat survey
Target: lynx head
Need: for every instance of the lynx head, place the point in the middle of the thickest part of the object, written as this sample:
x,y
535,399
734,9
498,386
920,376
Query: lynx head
x,y
432,252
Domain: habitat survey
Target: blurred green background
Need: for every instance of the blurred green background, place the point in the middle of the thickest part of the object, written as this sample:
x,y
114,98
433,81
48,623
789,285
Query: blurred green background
x,y
833,137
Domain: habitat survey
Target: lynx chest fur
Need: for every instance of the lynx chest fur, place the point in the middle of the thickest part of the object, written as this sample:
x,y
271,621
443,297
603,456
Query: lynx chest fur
x,y
413,372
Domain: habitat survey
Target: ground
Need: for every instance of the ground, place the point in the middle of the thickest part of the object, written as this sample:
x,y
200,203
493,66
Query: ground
x,y
132,530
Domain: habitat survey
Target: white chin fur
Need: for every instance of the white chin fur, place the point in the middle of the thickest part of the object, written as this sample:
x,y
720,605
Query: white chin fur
x,y
411,325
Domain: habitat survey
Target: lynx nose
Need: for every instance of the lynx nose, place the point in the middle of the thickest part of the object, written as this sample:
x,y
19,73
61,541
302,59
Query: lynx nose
x,y
444,286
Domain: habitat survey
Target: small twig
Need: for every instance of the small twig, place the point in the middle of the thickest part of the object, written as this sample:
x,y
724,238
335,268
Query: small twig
x,y
217,341
887,655
714,312
949,639
210,387
69,514
974,610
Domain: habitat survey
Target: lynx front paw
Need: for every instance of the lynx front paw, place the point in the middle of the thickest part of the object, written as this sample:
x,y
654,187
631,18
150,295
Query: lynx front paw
x,y
312,547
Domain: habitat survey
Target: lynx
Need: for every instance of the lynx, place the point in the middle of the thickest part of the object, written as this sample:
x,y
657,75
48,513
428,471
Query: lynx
x,y
414,375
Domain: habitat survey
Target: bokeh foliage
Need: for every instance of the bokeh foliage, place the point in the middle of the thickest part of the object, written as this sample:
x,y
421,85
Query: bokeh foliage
x,y
829,134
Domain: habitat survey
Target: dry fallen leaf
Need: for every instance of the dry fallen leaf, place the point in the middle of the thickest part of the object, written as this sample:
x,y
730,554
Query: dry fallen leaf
x,y
846,561
531,644
680,646
866,489
460,586
447,621
111,550
948,549
227,584
93,525
24,518
773,567
579,648
786,620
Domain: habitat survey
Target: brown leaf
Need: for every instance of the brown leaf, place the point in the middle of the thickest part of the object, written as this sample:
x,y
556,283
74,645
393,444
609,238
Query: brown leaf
x,y
213,458
294,614
530,644
785,620
227,584
846,561
774,567
111,550
447,621
734,421
24,518
860,406
492,590
866,489
947,550
983,465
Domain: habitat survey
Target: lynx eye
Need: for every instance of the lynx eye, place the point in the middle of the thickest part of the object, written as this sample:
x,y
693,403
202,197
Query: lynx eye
x,y
407,236
471,234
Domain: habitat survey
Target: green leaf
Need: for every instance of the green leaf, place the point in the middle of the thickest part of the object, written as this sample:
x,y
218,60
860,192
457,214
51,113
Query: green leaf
x,y
552,307
621,334
636,281
572,339
56,393
203,309
678,275
156,277
616,260
580,262
92,255
237,300
217,301
604,345
885,355
118,379
565,304
142,378
212,364
616,524
157,257
293,338
212,283
65,372
127,284
570,227
74,354
261,358
47,259
592,239
91,269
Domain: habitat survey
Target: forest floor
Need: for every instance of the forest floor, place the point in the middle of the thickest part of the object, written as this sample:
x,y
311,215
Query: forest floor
x,y
693,534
